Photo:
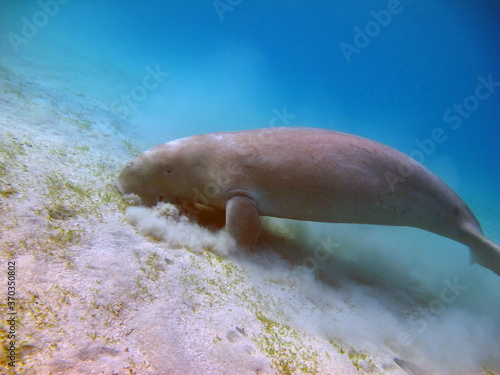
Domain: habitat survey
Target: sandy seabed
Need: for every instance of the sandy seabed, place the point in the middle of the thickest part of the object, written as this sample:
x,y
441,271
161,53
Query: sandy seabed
x,y
105,288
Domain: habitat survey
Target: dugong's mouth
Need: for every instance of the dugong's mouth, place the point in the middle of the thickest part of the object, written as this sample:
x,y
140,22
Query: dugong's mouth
x,y
118,186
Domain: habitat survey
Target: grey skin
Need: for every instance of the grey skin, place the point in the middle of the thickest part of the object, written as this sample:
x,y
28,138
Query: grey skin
x,y
303,174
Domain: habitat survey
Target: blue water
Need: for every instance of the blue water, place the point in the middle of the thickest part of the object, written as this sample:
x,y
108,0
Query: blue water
x,y
423,77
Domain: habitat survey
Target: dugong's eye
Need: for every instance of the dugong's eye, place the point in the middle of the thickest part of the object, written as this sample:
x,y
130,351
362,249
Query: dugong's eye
x,y
130,165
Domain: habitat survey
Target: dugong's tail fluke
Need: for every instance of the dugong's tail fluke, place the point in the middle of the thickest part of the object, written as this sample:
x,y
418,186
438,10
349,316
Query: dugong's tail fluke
x,y
485,253
482,250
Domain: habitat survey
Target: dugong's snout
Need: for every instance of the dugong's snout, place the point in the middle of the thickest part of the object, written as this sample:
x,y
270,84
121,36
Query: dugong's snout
x,y
138,178
125,177
129,182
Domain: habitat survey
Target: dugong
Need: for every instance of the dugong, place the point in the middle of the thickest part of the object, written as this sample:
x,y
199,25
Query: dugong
x,y
303,174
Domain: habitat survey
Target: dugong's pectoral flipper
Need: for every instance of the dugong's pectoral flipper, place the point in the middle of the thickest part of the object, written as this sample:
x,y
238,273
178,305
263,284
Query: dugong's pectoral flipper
x,y
242,220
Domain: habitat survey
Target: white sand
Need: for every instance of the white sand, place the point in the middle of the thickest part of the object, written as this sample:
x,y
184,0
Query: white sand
x,y
97,296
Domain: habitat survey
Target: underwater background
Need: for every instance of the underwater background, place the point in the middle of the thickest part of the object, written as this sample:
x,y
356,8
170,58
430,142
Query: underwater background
x,y
86,85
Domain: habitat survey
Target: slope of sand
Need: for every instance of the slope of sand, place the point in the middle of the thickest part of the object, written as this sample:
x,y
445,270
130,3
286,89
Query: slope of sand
x,y
103,288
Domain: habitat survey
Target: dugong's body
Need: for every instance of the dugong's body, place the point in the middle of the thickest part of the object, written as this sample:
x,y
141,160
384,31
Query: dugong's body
x,y
303,174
